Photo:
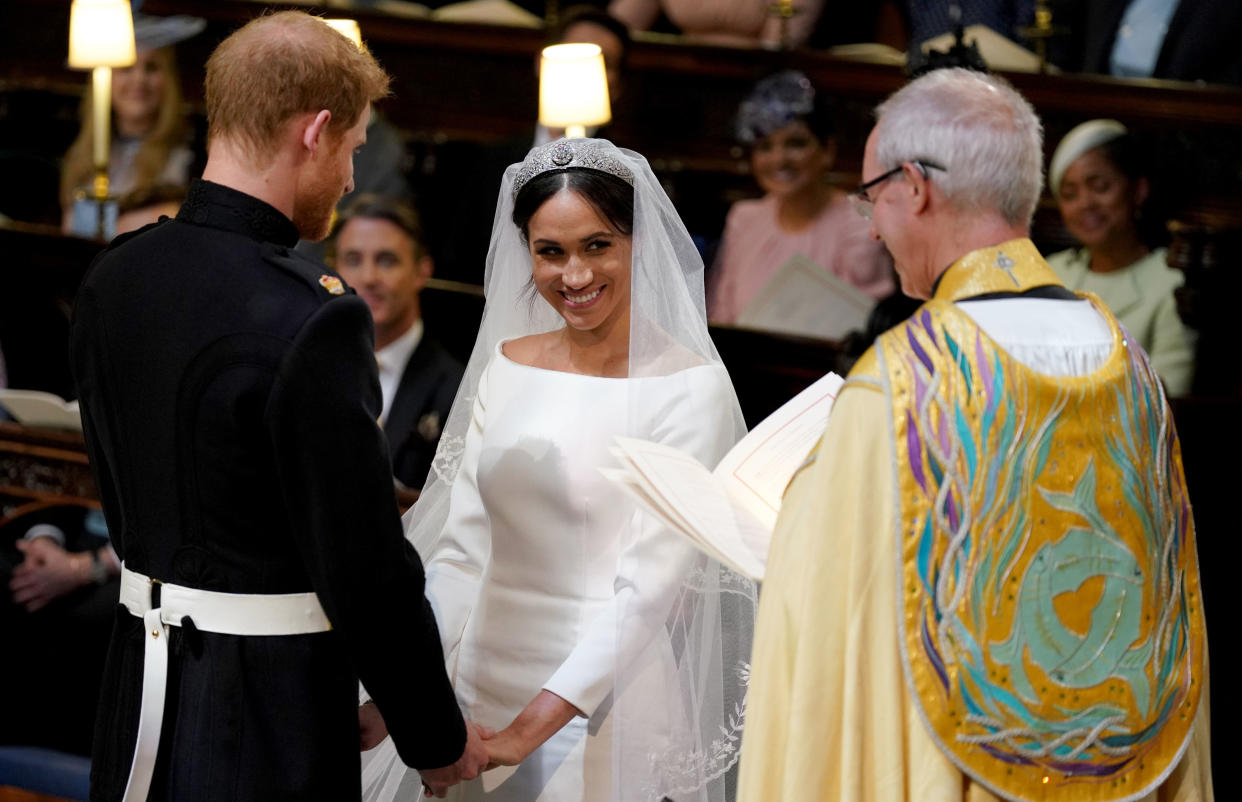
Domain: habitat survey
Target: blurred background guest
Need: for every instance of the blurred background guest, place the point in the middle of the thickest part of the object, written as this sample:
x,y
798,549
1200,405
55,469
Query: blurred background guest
x,y
1101,184
378,248
150,138
61,579
928,19
1185,40
725,23
790,134
459,197
583,23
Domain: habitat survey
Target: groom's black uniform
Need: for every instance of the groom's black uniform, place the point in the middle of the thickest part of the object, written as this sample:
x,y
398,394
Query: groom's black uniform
x,y
229,402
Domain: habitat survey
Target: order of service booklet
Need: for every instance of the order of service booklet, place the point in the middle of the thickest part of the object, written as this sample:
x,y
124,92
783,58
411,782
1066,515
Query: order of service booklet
x,y
41,410
728,513
804,299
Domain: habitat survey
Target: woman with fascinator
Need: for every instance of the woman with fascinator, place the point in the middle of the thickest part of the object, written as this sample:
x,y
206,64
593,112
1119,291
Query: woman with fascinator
x,y
1100,178
604,652
790,134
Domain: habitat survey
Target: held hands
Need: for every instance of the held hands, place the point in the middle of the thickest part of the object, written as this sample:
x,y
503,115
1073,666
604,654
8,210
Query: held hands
x,y
473,761
485,748
540,720
471,764
47,573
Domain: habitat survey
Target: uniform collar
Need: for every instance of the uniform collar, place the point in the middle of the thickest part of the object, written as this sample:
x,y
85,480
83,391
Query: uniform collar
x,y
1011,267
217,206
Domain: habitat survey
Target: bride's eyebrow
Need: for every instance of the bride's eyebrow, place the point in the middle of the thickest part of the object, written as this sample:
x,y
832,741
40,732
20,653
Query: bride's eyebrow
x,y
597,235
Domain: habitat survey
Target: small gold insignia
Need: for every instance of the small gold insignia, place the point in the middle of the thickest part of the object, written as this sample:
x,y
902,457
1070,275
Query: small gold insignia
x,y
332,284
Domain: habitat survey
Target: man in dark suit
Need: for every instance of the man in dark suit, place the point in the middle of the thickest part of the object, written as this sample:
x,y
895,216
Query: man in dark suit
x,y
229,400
378,247
1184,40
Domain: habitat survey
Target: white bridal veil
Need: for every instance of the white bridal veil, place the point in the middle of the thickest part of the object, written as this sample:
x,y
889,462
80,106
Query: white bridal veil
x,y
706,622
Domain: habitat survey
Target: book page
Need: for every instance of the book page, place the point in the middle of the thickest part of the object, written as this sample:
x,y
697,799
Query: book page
x,y
728,513
690,499
627,478
804,299
39,409
757,470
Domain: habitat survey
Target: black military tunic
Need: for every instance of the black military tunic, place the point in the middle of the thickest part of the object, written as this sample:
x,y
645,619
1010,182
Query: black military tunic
x,y
229,401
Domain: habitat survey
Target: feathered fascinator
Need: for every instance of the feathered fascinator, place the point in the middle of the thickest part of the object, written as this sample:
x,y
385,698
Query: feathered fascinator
x,y
775,102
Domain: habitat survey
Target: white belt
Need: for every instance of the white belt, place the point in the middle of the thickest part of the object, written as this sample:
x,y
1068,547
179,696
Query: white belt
x,y
224,613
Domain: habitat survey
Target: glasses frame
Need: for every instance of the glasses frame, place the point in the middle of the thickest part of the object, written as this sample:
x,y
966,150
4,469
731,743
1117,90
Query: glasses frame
x,y
864,203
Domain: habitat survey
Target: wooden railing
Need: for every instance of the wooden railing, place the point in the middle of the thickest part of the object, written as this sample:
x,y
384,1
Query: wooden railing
x,y
43,465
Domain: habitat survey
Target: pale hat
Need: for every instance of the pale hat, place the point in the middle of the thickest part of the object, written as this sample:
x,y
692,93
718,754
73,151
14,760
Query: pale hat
x,y
1080,139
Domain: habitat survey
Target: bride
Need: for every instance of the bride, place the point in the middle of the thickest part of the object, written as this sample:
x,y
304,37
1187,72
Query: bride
x,y
603,650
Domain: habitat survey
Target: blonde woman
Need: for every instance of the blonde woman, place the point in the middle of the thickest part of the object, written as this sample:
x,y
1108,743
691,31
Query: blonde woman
x,y
148,142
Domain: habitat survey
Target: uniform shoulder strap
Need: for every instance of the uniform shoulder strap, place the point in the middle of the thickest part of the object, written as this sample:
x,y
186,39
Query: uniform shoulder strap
x,y
321,279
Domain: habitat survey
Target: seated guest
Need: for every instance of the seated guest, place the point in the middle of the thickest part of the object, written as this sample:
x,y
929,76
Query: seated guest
x,y
378,248
1097,178
1183,40
468,174
727,23
931,18
64,548
150,136
61,581
789,131
588,24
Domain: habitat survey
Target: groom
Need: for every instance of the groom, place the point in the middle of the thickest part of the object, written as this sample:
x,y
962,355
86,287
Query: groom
x,y
229,399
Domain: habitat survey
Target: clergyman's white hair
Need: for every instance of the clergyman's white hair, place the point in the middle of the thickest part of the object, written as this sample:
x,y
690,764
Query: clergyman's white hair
x,y
977,127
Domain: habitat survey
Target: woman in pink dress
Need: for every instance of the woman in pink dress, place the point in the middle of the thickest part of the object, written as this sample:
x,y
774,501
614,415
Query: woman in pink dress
x,y
792,150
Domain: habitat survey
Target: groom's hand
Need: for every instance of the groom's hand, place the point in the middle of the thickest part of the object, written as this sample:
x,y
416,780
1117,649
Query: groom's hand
x,y
471,764
371,727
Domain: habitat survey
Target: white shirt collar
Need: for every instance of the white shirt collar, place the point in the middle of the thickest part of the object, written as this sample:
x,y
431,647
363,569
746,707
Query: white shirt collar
x,y
392,359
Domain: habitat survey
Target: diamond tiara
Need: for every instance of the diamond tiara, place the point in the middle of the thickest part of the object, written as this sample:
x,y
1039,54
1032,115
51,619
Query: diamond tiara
x,y
566,154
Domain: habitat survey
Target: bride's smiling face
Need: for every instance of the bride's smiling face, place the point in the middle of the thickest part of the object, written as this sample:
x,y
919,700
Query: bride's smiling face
x,y
580,262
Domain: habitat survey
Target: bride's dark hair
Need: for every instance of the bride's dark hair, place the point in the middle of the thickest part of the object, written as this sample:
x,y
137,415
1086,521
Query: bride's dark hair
x,y
612,197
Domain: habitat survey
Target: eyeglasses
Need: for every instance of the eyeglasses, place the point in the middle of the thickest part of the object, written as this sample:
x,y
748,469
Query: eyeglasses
x,y
861,197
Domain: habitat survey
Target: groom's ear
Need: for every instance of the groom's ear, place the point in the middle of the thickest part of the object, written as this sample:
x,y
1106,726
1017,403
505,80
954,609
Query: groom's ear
x,y
314,130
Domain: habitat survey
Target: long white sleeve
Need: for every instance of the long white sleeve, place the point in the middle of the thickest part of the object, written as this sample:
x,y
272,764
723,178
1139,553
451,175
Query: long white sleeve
x,y
653,566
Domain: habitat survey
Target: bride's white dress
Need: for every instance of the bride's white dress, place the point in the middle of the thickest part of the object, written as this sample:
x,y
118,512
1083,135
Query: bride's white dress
x,y
532,584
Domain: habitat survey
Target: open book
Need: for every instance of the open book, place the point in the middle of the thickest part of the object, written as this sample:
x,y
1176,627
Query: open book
x,y
39,409
802,298
728,513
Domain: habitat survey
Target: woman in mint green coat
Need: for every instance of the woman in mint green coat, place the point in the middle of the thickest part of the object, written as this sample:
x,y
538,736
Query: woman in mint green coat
x,y
1097,178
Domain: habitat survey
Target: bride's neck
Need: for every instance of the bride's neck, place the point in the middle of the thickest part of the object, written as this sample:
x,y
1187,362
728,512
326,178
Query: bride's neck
x,y
604,351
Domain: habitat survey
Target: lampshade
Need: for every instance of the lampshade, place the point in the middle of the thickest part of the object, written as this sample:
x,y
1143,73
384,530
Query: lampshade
x,y
573,88
349,28
101,34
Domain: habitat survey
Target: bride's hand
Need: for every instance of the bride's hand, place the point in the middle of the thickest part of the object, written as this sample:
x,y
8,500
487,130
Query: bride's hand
x,y
504,749
538,722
